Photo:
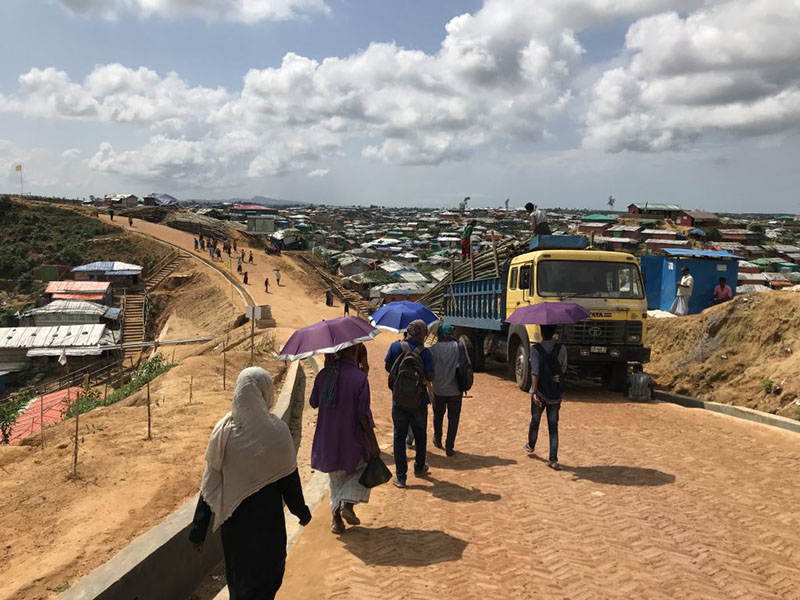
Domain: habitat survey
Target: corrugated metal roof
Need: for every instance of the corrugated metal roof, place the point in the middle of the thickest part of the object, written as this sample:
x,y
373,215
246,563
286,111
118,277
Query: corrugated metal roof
x,y
700,253
77,286
78,296
108,266
652,206
61,336
68,307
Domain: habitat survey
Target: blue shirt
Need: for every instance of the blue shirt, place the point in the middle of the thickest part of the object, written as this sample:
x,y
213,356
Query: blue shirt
x,y
396,349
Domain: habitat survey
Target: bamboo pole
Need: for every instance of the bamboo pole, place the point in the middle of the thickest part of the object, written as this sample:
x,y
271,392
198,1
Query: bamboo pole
x,y
191,385
252,338
224,363
149,437
496,259
77,420
41,415
472,263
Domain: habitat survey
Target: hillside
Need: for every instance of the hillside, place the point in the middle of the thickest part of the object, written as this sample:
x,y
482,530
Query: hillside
x,y
36,234
744,352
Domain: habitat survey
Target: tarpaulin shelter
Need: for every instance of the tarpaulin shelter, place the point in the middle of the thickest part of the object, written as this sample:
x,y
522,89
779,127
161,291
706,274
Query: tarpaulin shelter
x,y
94,291
119,274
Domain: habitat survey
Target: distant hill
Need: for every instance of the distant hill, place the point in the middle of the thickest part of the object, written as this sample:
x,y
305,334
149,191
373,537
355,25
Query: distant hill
x,y
254,200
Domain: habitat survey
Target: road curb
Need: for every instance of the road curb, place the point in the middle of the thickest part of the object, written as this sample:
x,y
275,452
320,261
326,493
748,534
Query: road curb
x,y
739,412
161,564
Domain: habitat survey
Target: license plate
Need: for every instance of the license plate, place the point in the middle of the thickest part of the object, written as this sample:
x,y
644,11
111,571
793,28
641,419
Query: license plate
x,y
598,349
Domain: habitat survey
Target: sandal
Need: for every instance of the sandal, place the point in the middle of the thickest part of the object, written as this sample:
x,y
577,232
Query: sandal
x,y
554,465
348,514
337,525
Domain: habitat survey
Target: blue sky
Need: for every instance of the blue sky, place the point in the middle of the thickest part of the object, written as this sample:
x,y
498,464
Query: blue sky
x,y
413,103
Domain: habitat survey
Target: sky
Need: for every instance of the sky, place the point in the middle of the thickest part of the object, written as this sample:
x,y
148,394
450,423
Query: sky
x,y
416,103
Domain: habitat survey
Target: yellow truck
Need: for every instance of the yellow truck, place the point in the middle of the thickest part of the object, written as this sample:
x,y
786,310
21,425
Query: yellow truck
x,y
558,268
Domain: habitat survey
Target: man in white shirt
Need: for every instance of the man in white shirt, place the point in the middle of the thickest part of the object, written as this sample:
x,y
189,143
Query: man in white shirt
x,y
680,306
538,218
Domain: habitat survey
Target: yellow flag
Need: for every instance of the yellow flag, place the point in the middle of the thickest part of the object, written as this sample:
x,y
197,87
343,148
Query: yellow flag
x,y
19,168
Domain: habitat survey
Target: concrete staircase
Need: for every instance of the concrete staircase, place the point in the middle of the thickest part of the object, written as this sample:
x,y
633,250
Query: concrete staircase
x,y
133,328
165,269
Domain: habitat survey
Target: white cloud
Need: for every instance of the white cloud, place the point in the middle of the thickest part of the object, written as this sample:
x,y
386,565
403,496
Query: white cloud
x,y
728,68
243,11
319,172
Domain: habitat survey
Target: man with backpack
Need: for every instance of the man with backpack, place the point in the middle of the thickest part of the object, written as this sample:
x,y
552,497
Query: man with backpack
x,y
410,366
453,377
548,365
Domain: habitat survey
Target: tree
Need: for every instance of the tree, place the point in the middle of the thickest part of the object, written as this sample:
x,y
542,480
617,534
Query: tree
x,y
9,411
611,201
756,227
713,235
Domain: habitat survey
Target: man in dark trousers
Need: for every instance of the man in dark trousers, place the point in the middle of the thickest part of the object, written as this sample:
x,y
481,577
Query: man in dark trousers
x,y
548,365
466,240
447,396
346,307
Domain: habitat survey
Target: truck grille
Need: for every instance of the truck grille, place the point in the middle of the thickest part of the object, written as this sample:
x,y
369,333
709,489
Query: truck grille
x,y
599,333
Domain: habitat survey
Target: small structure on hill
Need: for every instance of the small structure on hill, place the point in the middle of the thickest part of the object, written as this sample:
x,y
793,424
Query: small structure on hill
x,y
155,199
91,291
119,274
648,209
71,312
121,200
698,218
240,212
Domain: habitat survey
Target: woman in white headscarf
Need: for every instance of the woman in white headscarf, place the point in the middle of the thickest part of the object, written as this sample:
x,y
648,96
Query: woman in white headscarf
x,y
251,469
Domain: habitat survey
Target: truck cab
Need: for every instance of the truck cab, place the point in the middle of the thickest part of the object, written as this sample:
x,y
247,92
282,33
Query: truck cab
x,y
608,284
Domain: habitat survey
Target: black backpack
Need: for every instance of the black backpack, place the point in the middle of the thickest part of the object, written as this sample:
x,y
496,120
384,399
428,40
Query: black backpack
x,y
407,378
464,374
550,383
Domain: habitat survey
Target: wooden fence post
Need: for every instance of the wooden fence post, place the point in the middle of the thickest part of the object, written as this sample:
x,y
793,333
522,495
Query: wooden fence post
x,y
191,384
149,437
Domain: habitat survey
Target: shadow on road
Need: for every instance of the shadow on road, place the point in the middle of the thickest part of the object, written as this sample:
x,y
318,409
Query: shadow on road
x,y
397,547
621,475
463,461
452,492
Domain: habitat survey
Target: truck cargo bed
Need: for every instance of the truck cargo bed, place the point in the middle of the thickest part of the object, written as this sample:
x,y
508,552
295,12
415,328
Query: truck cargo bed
x,y
478,304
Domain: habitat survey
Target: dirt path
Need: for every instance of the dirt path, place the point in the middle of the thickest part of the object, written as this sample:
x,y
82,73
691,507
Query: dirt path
x,y
655,501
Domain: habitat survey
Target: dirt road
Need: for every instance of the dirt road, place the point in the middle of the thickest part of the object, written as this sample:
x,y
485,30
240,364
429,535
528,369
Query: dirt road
x,y
655,501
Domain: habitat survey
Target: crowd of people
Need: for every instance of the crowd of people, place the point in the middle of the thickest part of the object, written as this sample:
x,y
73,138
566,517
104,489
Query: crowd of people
x,y
251,465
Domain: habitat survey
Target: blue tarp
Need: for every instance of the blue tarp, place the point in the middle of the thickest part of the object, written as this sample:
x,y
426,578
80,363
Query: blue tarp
x,y
723,254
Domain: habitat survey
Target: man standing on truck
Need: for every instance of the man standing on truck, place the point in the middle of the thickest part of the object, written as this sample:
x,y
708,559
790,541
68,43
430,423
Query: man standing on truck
x,y
680,306
548,365
410,366
538,218
466,240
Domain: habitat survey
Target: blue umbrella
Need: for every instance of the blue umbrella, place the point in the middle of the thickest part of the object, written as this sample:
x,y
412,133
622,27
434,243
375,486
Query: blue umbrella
x,y
396,316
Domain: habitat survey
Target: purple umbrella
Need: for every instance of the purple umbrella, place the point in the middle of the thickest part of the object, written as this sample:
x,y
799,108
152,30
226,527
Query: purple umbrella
x,y
327,337
549,313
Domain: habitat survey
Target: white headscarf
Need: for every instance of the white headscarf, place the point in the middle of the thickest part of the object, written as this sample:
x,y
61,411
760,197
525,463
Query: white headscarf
x,y
249,447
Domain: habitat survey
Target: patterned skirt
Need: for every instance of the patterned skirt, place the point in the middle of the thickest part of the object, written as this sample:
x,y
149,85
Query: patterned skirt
x,y
345,487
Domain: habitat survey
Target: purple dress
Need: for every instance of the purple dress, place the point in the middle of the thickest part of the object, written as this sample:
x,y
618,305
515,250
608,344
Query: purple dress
x,y
339,442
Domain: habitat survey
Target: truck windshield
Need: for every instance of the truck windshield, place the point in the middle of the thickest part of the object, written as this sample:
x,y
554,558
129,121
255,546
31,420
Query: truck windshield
x,y
588,279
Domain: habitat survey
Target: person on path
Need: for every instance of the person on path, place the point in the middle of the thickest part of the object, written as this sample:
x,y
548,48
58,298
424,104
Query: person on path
x,y
266,285
548,365
196,244
242,255
680,306
346,307
640,385
111,213
250,258
245,278
219,254
344,439
447,395
401,364
328,298
723,292
202,244
239,268
251,470
538,220
234,245
466,240
278,276
130,221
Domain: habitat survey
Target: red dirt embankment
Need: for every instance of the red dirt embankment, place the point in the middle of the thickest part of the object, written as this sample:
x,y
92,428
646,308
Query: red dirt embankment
x,y
743,352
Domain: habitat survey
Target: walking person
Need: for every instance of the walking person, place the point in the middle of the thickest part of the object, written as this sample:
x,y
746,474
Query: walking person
x,y
278,276
251,470
450,364
680,306
130,221
219,254
346,307
111,213
234,245
239,265
538,220
344,439
250,258
548,365
266,285
244,280
466,240
196,243
411,371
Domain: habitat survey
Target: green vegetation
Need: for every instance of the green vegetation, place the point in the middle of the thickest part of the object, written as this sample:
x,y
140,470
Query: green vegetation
x,y
149,370
713,235
767,385
9,411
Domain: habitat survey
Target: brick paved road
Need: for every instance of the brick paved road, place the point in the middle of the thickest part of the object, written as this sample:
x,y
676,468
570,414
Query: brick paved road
x,y
655,501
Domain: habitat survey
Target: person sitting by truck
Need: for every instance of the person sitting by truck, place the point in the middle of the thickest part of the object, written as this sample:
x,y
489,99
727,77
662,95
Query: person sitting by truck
x,y
548,365
538,218
640,385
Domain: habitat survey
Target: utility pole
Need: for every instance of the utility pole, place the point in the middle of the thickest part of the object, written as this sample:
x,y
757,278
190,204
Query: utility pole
x,y
21,188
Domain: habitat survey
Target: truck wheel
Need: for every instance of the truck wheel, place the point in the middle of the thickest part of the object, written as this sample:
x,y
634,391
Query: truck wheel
x,y
614,377
522,367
